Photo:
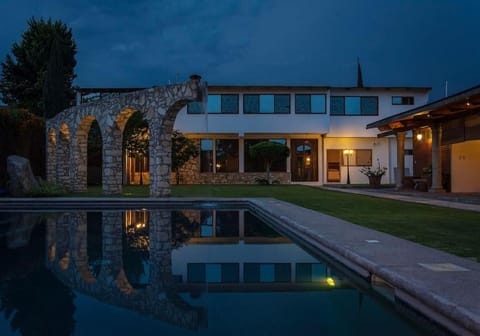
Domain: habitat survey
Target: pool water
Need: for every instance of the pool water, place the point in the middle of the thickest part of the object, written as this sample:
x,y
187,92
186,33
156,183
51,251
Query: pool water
x,y
175,272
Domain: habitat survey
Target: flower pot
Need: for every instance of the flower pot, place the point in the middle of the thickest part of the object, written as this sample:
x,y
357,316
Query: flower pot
x,y
375,181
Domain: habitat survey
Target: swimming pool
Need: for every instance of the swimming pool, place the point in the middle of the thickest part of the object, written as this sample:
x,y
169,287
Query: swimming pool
x,y
204,270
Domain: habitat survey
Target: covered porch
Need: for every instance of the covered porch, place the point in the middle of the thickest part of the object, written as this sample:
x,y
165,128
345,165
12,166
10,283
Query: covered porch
x,y
446,142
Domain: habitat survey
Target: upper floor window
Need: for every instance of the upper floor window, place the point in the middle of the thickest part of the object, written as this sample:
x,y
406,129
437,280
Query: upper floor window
x,y
254,103
217,103
310,103
353,105
398,100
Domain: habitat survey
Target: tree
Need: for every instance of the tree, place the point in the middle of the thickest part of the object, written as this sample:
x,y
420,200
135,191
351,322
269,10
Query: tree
x,y
41,70
183,149
269,152
136,139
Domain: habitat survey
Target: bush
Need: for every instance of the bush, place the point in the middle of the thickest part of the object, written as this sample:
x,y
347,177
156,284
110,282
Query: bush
x,y
47,189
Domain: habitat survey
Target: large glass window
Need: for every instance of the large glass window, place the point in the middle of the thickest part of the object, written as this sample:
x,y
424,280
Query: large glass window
x,y
252,165
226,154
354,105
397,100
217,103
279,103
359,157
206,155
213,272
266,272
307,103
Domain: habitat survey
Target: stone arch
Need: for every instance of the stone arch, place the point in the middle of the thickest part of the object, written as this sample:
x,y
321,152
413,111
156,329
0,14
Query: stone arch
x,y
160,104
63,156
51,163
79,154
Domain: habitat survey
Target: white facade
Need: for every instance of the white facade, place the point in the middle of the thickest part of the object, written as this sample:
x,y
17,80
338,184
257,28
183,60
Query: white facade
x,y
329,131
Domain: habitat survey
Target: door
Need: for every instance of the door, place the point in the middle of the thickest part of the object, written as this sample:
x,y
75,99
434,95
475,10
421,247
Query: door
x,y
304,160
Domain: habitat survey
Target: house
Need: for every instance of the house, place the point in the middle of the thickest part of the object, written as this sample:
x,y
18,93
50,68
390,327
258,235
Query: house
x,y
446,139
317,123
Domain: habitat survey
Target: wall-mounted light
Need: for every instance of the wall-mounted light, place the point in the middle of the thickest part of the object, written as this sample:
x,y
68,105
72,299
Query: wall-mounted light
x,y
419,136
468,102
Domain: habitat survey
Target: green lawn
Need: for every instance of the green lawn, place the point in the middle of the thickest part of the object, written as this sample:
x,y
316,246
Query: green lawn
x,y
450,230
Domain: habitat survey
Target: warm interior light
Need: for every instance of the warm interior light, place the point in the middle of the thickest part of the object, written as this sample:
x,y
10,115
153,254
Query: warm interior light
x,y
218,165
348,151
419,136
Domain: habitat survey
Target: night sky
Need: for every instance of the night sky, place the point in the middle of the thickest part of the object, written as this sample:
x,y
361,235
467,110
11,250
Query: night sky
x,y
141,43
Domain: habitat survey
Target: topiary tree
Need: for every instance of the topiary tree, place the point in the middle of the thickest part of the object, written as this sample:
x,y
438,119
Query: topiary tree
x,y
183,149
269,152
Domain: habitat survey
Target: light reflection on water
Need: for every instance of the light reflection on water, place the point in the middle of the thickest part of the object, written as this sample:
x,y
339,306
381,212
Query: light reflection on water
x,y
194,271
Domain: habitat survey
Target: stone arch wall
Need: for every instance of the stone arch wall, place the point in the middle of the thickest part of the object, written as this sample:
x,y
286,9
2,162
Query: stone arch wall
x,y
160,106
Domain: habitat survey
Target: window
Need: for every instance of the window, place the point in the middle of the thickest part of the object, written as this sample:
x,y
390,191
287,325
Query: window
x,y
279,103
206,155
224,103
398,100
359,157
266,272
218,224
306,103
213,272
226,155
252,165
354,105
310,272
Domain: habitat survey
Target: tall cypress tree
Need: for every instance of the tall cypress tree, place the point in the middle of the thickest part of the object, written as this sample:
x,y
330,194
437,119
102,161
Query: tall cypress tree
x,y
54,97
23,76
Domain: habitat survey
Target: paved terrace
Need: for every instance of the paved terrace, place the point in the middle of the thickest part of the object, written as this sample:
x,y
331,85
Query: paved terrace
x,y
444,287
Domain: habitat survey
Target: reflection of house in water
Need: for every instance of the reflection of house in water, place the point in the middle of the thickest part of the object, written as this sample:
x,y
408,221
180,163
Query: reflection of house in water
x,y
142,260
233,250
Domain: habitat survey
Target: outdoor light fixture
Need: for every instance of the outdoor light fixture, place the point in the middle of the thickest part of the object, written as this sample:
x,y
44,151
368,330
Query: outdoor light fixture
x,y
419,136
348,152
468,102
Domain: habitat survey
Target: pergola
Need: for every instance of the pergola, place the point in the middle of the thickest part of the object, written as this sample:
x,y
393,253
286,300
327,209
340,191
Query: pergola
x,y
452,119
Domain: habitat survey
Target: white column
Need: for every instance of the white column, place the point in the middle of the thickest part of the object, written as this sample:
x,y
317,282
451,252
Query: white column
x,y
400,159
436,159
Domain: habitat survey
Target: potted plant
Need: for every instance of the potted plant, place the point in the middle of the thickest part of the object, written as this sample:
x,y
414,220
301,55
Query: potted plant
x,y
374,174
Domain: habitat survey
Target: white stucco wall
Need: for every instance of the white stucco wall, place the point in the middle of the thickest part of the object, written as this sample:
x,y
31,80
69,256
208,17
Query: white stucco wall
x,y
465,167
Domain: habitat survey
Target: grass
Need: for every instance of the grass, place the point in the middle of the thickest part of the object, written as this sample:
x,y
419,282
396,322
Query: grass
x,y
450,230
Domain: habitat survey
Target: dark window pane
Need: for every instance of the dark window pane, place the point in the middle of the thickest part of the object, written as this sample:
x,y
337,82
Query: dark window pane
x,y
227,224
230,103
255,227
196,272
251,272
303,272
226,155
230,272
206,155
195,107
337,105
302,103
369,105
282,103
251,103
282,272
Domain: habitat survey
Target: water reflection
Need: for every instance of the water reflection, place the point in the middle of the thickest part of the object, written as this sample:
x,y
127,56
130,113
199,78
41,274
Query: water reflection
x,y
158,263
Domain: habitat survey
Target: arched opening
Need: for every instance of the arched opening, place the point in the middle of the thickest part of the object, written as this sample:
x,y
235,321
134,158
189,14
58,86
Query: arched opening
x,y
94,155
63,157
136,137
136,247
51,156
80,154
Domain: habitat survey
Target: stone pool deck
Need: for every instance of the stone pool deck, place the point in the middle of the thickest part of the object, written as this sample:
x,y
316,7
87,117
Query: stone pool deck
x,y
444,287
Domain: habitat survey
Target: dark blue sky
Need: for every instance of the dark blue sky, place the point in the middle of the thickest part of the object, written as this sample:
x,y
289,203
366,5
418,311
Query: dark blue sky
x,y
124,43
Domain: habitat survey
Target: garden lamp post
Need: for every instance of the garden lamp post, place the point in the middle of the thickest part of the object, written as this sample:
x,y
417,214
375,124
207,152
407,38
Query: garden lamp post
x,y
348,152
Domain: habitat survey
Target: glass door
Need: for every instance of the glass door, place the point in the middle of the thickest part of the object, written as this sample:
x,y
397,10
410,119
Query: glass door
x,y
304,160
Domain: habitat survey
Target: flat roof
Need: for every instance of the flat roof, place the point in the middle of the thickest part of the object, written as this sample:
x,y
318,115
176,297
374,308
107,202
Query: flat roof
x,y
452,107
232,88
